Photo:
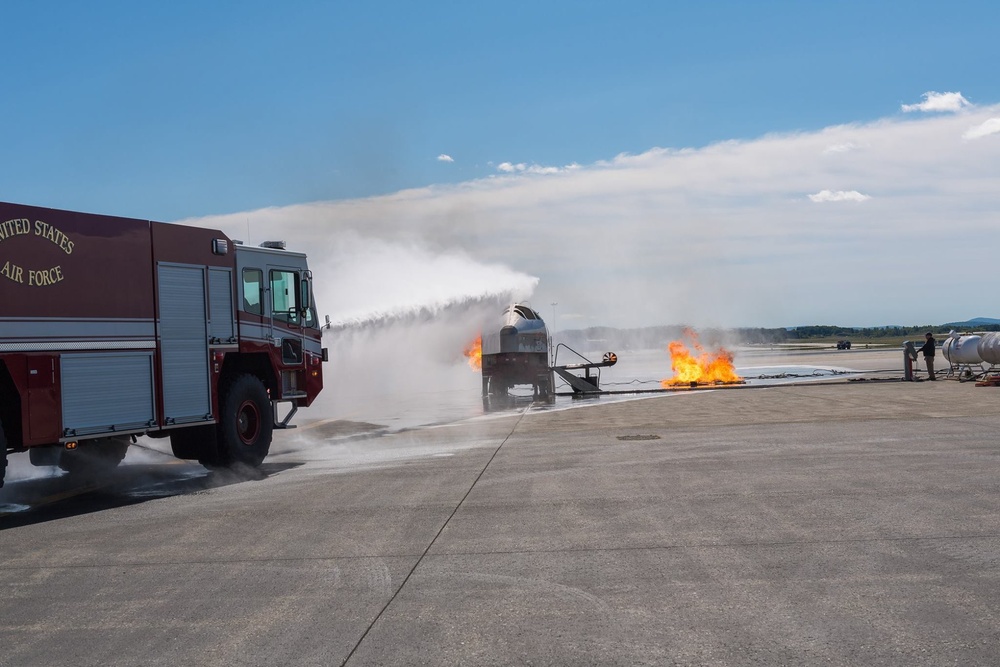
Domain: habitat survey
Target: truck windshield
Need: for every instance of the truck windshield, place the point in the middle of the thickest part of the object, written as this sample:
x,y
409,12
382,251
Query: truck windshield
x,y
284,298
283,293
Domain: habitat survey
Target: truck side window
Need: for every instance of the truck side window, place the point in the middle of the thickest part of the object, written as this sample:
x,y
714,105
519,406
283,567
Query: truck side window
x,y
253,282
284,292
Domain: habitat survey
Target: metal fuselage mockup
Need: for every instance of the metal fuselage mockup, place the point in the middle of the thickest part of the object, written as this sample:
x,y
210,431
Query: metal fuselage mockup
x,y
515,352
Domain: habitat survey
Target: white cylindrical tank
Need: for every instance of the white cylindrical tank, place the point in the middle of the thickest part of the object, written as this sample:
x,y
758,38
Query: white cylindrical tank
x,y
989,347
962,349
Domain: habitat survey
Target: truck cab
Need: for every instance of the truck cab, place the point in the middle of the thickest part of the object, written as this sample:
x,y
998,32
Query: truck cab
x,y
277,317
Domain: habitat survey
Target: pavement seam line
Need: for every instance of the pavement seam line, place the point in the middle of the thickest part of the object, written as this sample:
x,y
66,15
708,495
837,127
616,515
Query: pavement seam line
x,y
434,539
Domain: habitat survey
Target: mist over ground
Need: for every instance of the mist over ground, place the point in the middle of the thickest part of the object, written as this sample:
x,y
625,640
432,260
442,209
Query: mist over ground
x,y
860,224
405,371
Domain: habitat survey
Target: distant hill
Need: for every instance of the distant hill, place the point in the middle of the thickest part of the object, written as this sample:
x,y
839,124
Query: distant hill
x,y
974,322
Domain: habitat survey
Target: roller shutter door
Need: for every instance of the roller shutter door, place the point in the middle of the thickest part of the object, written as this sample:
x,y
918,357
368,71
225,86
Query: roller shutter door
x,y
183,332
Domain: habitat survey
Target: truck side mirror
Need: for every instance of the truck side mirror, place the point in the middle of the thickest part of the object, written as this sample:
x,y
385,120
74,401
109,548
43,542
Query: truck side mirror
x,y
304,296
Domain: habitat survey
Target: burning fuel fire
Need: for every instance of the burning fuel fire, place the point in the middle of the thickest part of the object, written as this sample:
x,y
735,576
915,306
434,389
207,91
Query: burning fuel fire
x,y
474,351
706,368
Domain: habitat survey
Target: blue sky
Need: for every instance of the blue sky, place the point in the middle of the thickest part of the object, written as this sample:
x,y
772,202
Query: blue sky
x,y
184,110
172,110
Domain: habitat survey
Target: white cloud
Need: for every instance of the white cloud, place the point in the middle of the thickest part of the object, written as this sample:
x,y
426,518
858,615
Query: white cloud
x,y
934,101
445,158
524,168
990,126
838,195
718,235
840,148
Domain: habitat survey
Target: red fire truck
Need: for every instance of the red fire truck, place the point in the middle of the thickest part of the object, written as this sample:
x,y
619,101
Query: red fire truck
x,y
111,328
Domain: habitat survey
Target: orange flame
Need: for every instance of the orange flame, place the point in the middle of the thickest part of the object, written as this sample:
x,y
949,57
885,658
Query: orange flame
x,y
474,351
706,368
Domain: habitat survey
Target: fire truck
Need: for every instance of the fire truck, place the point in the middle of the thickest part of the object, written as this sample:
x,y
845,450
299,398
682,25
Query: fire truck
x,y
112,328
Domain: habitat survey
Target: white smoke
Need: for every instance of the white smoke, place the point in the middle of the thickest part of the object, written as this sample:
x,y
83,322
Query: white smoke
x,y
722,235
403,301
402,313
410,370
778,231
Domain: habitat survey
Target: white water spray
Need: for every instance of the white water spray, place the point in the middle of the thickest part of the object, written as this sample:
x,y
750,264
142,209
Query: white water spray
x,y
365,281
402,315
405,295
402,309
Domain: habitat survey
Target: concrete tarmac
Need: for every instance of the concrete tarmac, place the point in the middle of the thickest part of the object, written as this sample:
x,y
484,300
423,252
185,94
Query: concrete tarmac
x,y
846,523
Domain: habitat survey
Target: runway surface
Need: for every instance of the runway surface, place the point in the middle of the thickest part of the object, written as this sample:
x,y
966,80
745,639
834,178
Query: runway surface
x,y
854,522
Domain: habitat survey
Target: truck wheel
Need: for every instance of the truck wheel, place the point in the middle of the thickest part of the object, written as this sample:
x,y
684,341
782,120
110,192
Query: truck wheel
x,y
3,455
543,392
194,442
95,457
246,422
45,456
498,386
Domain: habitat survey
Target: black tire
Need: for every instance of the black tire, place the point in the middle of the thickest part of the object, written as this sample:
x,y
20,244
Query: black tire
x,y
195,442
45,456
246,423
3,455
94,457
498,386
543,390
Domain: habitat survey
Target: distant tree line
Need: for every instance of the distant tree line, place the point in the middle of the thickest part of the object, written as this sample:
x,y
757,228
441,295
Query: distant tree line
x,y
830,331
648,338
